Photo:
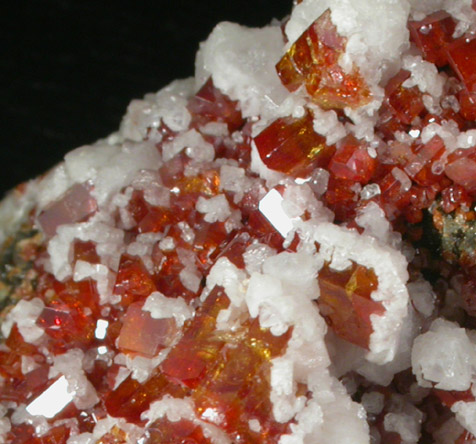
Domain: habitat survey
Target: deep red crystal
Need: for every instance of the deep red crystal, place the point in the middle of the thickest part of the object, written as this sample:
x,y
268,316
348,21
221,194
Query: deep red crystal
x,y
291,146
432,35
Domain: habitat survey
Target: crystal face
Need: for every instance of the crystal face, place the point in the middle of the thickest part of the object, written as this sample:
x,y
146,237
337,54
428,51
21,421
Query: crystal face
x,y
313,61
292,146
282,251
345,302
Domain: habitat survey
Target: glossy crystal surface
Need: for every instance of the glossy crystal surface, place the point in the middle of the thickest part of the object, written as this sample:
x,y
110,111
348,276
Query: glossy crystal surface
x,y
268,271
313,62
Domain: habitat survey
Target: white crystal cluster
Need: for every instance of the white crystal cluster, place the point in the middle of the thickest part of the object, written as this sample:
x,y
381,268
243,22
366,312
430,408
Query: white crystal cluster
x,y
279,289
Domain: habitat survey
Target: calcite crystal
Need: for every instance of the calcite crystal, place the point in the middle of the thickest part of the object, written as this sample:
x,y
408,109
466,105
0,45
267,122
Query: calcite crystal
x,y
280,250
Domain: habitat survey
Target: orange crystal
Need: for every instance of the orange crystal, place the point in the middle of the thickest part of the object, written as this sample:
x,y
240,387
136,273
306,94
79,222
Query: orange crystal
x,y
179,432
346,304
291,146
313,61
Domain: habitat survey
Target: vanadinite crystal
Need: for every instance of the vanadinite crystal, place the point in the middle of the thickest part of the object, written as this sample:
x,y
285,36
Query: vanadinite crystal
x,y
282,251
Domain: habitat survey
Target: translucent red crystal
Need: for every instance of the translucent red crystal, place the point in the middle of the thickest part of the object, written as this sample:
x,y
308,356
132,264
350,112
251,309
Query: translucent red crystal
x,y
346,304
198,349
467,102
291,146
432,35
224,374
461,168
133,281
132,398
313,62
179,432
210,105
342,197
404,103
25,435
352,161
462,57
140,333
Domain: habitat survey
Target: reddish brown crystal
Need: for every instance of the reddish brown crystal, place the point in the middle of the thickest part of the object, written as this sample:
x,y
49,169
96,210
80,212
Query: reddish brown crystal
x,y
187,362
404,103
432,35
313,61
448,398
132,398
179,432
462,57
291,146
352,161
461,168
341,197
133,281
210,105
346,304
467,101
140,333
25,435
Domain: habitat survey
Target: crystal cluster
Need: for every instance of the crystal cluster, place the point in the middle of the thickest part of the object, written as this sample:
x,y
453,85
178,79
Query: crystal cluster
x,y
280,250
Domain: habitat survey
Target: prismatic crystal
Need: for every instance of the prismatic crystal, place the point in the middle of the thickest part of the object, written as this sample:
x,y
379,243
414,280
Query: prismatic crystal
x,y
281,251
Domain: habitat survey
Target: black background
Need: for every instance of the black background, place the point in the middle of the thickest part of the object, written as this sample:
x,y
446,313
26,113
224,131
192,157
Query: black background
x,y
69,68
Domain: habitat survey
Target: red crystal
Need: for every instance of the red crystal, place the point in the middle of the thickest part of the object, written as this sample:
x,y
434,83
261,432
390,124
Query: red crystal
x,y
453,197
432,35
140,333
404,103
313,61
237,387
448,398
85,251
342,197
210,105
198,348
25,388
132,398
25,435
394,195
346,304
179,432
133,281
467,101
291,146
462,57
461,168
168,280
352,161
17,344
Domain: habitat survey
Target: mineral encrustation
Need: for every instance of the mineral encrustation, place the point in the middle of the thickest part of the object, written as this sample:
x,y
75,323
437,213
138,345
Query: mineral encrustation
x,y
280,250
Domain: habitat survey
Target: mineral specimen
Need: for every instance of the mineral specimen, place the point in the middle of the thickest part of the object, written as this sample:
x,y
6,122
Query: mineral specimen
x,y
279,250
